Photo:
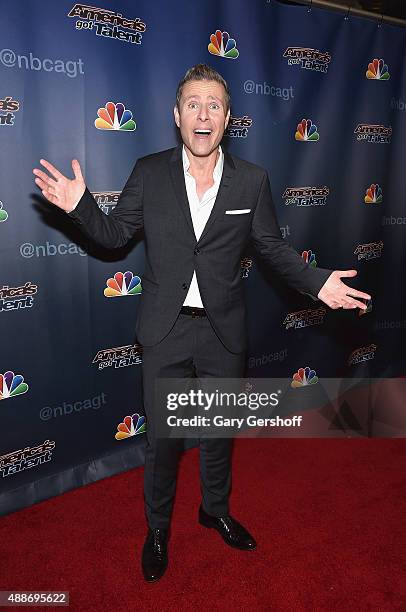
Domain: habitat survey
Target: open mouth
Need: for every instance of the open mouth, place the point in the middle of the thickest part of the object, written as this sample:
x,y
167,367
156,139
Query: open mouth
x,y
201,132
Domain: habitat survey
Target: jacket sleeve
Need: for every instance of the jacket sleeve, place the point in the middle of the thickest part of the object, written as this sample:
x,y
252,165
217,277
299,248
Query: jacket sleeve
x,y
117,228
277,252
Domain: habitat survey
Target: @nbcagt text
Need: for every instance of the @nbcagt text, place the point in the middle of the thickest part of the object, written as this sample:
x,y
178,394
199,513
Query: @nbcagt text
x,y
206,401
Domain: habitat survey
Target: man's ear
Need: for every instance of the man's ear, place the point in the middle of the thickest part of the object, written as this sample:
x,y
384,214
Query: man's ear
x,y
227,119
176,115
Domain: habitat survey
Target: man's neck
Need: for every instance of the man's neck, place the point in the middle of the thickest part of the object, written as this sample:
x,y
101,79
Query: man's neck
x,y
202,167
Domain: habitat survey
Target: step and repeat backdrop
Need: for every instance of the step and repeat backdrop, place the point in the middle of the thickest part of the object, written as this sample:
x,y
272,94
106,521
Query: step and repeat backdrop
x,y
318,99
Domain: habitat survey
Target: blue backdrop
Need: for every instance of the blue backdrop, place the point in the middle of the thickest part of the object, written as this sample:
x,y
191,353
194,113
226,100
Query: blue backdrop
x,y
317,99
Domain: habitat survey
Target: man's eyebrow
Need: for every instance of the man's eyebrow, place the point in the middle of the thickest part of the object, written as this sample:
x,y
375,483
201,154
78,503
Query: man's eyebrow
x,y
197,97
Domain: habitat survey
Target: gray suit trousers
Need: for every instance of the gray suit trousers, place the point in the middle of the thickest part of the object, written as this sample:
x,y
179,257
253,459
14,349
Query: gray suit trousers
x,y
191,349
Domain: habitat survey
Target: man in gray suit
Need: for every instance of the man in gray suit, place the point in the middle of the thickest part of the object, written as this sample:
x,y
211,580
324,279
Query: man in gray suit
x,y
198,207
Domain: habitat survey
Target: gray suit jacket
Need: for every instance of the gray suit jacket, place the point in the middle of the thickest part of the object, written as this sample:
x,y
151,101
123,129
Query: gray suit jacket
x,y
155,199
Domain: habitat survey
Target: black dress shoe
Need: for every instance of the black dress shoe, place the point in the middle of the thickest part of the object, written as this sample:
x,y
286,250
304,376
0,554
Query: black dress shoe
x,y
154,554
232,532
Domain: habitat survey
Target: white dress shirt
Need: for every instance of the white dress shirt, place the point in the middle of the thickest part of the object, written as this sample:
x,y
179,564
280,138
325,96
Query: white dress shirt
x,y
200,212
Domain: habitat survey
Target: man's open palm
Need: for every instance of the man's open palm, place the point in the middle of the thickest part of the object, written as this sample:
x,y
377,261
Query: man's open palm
x,y
337,294
57,188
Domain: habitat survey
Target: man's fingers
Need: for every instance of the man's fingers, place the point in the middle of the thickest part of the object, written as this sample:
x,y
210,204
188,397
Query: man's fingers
x,y
347,304
46,189
50,196
77,169
44,177
41,184
347,273
52,170
358,294
333,303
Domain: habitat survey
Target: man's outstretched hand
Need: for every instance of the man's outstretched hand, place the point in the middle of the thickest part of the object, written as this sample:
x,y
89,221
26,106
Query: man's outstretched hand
x,y
337,294
57,188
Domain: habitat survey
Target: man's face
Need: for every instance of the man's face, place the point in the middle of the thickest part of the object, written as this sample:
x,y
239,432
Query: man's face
x,y
202,116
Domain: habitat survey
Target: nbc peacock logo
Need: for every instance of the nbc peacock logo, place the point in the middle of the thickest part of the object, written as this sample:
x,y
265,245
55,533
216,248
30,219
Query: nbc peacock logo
x,y
131,426
373,194
123,284
306,131
304,377
221,44
115,117
378,70
3,213
309,257
12,385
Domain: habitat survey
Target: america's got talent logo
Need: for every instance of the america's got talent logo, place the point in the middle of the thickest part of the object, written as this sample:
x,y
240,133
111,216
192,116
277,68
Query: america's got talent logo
x,y
305,318
308,58
8,108
306,196
108,24
12,298
374,133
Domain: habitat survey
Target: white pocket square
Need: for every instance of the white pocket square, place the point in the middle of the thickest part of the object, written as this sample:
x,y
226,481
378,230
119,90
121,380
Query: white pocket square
x,y
238,211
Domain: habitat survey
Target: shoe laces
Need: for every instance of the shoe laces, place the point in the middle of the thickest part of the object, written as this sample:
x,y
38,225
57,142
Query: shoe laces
x,y
228,524
158,541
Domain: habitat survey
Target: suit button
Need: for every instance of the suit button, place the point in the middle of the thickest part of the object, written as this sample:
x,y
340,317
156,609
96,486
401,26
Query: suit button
x,y
184,286
197,251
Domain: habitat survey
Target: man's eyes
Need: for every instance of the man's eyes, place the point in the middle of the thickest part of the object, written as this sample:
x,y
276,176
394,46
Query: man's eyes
x,y
213,105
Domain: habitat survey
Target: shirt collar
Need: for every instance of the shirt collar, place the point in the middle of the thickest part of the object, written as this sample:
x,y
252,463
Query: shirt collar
x,y
218,169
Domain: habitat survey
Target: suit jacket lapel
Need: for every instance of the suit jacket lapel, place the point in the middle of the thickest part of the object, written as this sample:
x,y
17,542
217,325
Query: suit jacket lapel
x,y
178,179
220,203
223,193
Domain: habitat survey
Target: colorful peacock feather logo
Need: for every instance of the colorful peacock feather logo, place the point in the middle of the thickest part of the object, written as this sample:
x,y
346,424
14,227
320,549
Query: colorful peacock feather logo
x,y
310,258
131,426
3,213
12,385
373,194
115,117
123,284
306,131
221,44
378,70
304,377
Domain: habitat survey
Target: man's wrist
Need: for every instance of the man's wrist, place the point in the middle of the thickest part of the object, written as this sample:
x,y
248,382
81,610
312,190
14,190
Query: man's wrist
x,y
73,208
75,205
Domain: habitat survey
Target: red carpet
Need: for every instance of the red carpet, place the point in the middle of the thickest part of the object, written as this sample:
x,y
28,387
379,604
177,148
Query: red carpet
x,y
329,517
